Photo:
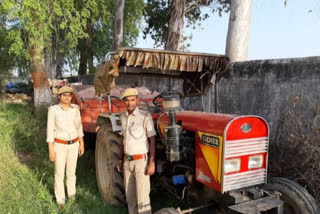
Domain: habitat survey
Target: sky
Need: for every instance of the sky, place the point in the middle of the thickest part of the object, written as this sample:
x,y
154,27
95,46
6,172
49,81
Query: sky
x,y
277,31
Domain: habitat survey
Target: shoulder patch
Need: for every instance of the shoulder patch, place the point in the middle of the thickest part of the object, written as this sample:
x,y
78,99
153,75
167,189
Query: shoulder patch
x,y
75,106
143,112
51,108
122,114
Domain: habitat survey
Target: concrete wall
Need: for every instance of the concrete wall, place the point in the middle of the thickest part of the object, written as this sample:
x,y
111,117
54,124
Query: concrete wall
x,y
265,88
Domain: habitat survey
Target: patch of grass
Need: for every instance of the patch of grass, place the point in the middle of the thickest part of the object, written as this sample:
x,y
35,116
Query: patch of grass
x,y
20,188
27,176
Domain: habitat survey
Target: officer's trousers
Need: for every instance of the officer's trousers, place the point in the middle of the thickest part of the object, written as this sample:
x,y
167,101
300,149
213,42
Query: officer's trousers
x,y
66,159
137,186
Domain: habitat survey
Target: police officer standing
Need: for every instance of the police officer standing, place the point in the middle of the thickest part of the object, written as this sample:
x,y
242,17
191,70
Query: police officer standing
x,y
137,164
65,143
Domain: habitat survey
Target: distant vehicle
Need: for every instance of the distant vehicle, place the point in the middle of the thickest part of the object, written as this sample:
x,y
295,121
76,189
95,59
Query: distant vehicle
x,y
14,88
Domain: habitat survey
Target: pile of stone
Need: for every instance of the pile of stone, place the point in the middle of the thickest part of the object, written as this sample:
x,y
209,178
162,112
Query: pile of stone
x,y
15,98
145,93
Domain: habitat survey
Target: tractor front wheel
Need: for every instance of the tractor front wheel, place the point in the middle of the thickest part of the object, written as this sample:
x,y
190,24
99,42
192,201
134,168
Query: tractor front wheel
x,y
109,180
296,198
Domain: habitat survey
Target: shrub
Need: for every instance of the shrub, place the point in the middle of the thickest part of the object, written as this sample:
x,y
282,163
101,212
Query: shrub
x,y
295,152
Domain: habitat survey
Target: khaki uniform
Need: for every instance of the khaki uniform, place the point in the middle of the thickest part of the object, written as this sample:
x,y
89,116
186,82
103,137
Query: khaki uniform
x,y
64,125
136,128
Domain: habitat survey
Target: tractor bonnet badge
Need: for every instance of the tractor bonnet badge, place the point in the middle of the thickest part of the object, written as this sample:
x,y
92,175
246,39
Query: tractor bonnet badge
x,y
210,140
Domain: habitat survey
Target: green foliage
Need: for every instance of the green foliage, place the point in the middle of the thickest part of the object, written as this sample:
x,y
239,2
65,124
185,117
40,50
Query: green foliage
x,y
132,21
103,37
7,61
103,28
157,15
54,26
58,25
38,20
66,19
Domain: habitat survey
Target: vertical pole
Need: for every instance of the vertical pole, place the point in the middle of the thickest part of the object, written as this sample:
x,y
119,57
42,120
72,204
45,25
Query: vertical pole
x,y
100,103
170,84
216,94
109,103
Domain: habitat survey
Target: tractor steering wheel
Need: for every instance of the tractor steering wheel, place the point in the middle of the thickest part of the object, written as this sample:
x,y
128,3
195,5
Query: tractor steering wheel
x,y
116,98
154,101
112,103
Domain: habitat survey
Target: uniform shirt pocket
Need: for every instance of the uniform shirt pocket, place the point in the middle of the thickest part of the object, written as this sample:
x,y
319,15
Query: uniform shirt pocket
x,y
60,118
76,121
136,129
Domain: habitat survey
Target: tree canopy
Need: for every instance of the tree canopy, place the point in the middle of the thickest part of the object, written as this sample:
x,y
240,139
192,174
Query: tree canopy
x,y
50,33
59,25
103,36
157,15
32,22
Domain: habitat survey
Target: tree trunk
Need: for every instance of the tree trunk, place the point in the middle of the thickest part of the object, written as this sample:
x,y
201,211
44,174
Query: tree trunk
x,y
83,57
175,27
42,92
86,53
50,65
60,63
118,25
239,30
89,47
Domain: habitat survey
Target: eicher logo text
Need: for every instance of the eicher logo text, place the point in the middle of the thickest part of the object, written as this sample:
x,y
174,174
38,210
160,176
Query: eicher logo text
x,y
210,140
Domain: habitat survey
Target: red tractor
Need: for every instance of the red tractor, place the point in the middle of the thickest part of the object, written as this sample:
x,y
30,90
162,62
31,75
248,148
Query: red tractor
x,y
212,157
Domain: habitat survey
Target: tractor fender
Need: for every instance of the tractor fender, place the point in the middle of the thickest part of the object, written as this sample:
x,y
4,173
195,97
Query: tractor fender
x,y
112,120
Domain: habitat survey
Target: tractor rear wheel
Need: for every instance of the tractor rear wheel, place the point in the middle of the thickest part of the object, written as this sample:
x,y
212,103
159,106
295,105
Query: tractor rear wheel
x,y
296,198
109,180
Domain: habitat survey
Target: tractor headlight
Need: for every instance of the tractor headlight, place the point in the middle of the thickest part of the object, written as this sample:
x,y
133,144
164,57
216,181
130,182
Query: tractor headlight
x,y
255,161
232,165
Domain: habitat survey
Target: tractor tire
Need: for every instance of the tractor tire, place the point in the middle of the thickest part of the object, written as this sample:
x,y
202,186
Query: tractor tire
x,y
109,180
167,211
296,198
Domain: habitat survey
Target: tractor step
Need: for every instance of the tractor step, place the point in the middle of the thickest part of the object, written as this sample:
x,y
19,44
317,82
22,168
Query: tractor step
x,y
267,205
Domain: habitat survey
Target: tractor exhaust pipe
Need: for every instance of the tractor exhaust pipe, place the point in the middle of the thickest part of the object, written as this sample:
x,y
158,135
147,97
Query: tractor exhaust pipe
x,y
171,105
173,132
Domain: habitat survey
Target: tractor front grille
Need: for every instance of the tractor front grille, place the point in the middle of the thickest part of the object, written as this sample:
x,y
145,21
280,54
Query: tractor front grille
x,y
244,179
238,148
